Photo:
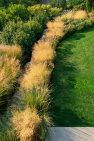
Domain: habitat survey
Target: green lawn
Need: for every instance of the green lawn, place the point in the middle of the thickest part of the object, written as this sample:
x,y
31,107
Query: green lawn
x,y
73,81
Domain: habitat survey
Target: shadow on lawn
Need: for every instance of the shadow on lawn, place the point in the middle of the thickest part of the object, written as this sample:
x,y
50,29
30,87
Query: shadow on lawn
x,y
63,80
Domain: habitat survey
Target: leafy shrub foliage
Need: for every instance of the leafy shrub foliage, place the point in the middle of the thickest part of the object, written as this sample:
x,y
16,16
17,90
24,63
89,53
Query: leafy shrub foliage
x,y
23,26
17,11
3,18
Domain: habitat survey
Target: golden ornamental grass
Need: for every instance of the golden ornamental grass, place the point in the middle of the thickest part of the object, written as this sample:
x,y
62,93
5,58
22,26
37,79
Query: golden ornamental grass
x,y
76,15
26,124
80,14
10,51
55,29
68,15
36,76
9,70
43,52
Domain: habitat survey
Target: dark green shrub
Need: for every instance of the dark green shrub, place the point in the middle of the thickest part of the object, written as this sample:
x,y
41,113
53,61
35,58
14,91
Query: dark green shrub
x,y
42,18
25,33
3,18
17,11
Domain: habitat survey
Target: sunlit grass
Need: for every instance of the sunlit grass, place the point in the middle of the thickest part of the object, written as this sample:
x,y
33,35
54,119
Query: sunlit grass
x,y
9,71
35,77
76,15
10,51
55,29
43,52
80,14
26,123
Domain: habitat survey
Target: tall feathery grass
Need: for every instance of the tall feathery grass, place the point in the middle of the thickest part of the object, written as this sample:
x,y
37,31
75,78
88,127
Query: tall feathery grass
x,y
34,93
80,14
11,51
43,52
54,30
76,15
35,77
9,71
26,123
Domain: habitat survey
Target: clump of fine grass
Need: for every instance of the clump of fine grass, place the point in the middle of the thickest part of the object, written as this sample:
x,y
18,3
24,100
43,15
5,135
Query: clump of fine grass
x,y
55,29
37,99
68,15
43,52
9,71
10,51
80,14
26,124
76,15
35,77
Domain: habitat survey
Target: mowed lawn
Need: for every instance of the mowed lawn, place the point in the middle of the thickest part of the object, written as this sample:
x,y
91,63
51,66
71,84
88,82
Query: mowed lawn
x,y
73,81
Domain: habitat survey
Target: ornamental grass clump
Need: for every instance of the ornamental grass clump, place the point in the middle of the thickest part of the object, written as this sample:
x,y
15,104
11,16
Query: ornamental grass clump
x,y
68,15
80,14
35,77
55,30
26,124
11,51
75,15
43,52
37,99
9,71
